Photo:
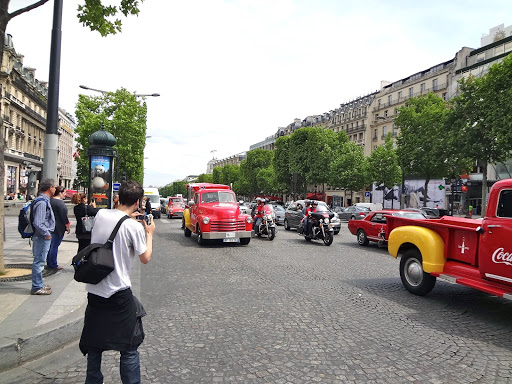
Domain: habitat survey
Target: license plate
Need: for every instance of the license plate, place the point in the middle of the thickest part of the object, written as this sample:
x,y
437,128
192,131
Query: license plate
x,y
231,240
230,234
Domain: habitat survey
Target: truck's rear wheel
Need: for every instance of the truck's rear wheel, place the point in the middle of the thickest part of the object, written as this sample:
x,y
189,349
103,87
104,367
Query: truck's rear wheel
x,y
414,278
186,231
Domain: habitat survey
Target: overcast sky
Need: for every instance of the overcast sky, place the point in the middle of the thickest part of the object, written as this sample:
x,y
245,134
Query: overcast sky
x,y
230,72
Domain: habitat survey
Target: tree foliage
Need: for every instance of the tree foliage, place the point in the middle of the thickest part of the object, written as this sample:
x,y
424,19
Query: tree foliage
x,y
256,160
481,117
423,145
124,116
349,170
176,187
383,166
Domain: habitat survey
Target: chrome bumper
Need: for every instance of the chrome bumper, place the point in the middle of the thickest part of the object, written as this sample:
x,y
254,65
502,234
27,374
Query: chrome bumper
x,y
225,235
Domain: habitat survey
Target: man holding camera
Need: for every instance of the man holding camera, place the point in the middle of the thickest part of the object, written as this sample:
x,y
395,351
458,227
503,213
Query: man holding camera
x,y
113,315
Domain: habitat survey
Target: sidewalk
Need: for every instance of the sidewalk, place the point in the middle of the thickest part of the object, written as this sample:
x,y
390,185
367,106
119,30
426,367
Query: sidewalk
x,y
31,326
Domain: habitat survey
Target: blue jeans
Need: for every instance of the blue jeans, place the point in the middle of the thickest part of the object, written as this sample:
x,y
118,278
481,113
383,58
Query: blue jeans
x,y
129,366
40,248
51,260
257,224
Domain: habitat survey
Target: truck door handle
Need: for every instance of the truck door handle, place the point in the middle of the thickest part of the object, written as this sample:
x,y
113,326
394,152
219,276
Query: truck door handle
x,y
494,226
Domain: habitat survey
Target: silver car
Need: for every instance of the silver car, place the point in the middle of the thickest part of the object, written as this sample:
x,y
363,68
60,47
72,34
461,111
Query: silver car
x,y
354,213
280,213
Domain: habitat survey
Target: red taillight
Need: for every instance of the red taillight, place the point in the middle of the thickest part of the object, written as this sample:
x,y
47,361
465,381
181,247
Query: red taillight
x,y
362,214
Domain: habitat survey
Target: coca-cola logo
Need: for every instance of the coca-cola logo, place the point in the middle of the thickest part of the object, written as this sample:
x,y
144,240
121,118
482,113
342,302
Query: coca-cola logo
x,y
501,257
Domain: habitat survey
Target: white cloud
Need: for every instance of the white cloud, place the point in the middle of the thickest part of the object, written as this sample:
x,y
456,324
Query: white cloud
x,y
230,72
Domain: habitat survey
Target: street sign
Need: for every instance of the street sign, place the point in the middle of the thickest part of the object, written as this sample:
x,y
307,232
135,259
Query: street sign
x,y
367,194
115,186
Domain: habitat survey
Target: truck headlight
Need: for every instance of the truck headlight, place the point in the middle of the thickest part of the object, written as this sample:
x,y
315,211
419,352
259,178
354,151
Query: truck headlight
x,y
206,220
249,219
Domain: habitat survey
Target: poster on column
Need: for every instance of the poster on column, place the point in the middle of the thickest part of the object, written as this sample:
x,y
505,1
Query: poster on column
x,y
101,180
414,194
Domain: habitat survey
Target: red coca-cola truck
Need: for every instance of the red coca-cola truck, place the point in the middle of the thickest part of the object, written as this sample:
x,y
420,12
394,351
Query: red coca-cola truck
x,y
476,253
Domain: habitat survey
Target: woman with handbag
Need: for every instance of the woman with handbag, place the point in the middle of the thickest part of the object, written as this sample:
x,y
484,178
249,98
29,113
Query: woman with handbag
x,y
84,214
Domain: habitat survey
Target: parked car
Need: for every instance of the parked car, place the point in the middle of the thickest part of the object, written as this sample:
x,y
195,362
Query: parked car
x,y
280,213
353,213
293,216
374,227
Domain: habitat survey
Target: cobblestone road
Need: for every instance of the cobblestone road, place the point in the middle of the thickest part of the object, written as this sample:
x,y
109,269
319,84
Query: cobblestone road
x,y
289,311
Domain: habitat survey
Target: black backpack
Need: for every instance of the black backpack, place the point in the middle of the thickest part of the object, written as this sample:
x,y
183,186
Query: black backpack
x,y
26,218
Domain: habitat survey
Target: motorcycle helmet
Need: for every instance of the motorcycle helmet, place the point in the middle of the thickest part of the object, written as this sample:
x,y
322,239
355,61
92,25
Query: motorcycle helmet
x,y
307,202
314,202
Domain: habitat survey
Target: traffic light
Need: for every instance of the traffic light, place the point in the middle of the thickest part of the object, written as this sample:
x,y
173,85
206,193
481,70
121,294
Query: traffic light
x,y
123,176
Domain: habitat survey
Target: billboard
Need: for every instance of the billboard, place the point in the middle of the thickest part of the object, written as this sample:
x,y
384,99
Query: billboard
x,y
414,194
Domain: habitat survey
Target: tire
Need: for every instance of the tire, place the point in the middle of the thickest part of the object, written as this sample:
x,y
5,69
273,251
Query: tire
x,y
187,232
286,226
200,239
352,217
336,232
329,237
245,240
272,233
414,278
361,237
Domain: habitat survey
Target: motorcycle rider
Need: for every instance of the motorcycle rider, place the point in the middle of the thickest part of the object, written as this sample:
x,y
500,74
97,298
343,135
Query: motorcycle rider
x,y
311,209
258,216
307,204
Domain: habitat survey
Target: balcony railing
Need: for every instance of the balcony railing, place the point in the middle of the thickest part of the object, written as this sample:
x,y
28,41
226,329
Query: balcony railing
x,y
438,88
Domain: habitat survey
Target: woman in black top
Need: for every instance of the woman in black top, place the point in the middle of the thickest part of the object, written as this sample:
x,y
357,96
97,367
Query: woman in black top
x,y
83,209
62,224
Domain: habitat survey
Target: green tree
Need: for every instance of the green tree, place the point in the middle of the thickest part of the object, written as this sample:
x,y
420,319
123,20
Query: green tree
x,y
423,143
230,174
94,15
266,178
204,178
383,165
481,118
256,160
350,169
217,175
124,116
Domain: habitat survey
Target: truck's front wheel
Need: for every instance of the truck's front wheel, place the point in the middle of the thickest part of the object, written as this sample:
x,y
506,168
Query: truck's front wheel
x,y
414,278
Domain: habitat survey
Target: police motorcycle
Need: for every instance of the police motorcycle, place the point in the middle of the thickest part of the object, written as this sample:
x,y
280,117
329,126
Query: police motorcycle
x,y
267,226
320,227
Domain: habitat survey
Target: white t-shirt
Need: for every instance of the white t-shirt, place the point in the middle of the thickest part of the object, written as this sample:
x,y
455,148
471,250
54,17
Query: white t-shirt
x,y
129,242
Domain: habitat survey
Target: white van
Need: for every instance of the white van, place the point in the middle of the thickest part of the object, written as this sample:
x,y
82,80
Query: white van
x,y
154,198
370,206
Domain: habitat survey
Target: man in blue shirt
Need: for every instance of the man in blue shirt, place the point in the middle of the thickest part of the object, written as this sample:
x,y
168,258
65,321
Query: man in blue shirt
x,y
43,224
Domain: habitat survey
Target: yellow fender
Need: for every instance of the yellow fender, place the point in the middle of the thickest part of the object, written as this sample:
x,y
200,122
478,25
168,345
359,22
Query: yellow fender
x,y
429,243
186,217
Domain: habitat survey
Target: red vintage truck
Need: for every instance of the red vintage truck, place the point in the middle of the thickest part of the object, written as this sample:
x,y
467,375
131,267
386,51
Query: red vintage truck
x,y
476,253
212,213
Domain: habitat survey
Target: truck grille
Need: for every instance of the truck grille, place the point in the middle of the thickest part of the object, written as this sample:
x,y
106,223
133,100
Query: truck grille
x,y
227,225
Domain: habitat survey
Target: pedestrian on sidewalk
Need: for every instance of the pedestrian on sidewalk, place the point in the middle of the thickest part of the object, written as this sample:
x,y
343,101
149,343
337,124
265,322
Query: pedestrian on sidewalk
x,y
81,210
113,315
43,223
62,224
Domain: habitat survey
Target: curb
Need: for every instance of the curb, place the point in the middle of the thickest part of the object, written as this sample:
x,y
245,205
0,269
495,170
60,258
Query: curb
x,y
19,348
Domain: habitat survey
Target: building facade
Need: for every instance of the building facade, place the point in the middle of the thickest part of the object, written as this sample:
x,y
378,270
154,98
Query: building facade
x,y
23,112
66,144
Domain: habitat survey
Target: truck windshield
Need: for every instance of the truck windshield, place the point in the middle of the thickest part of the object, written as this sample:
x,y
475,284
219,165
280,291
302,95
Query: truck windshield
x,y
216,197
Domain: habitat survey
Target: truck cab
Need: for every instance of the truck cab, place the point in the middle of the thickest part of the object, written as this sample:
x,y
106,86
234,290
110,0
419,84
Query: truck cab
x,y
473,252
212,213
